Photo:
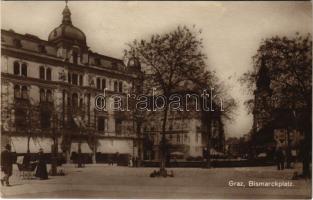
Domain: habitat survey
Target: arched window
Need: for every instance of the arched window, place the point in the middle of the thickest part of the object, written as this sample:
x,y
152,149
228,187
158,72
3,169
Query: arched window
x,y
48,74
120,87
16,68
49,96
17,91
24,69
81,102
115,86
24,92
75,57
75,100
98,83
42,95
42,72
103,84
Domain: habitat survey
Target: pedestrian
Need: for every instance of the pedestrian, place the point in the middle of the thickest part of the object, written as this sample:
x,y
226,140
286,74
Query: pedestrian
x,y
130,161
117,155
27,161
205,154
41,171
7,160
280,158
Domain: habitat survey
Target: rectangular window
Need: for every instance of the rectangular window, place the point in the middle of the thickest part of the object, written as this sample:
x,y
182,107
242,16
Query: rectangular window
x,y
98,84
103,84
75,57
120,87
21,118
118,127
74,79
24,69
81,80
69,77
101,123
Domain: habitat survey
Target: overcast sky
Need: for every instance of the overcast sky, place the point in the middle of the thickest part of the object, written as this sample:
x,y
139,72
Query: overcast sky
x,y
232,31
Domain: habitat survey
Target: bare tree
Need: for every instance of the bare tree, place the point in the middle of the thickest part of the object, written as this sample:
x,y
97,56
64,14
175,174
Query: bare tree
x,y
167,60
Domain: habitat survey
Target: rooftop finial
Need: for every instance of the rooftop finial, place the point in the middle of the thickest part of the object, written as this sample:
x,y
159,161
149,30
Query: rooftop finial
x,y
66,15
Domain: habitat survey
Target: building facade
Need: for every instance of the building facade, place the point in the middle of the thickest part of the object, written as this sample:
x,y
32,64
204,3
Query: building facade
x,y
188,133
49,89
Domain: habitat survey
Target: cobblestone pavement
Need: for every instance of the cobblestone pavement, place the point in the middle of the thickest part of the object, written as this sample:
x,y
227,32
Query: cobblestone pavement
x,y
101,181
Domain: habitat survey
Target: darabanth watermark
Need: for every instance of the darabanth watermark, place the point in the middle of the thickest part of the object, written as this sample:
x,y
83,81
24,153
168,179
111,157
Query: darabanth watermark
x,y
205,101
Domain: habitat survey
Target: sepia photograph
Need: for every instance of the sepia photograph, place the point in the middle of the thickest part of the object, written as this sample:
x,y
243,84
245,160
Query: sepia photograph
x,y
156,99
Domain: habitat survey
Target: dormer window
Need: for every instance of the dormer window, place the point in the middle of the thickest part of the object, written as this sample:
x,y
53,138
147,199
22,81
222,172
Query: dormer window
x,y
17,43
114,65
42,48
97,61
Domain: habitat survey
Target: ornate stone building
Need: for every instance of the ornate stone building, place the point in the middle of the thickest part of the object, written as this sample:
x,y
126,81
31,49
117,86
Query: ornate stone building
x,y
48,90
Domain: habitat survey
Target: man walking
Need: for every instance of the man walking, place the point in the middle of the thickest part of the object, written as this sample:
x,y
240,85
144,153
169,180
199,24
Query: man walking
x,y
280,158
7,161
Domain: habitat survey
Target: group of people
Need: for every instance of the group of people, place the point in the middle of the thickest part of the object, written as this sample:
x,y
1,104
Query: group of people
x,y
8,159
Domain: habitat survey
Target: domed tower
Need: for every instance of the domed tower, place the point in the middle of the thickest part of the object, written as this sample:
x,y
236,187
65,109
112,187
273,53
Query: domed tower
x,y
70,40
134,67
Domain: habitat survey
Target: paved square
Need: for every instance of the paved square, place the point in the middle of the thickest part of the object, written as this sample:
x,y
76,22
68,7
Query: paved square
x,y
102,181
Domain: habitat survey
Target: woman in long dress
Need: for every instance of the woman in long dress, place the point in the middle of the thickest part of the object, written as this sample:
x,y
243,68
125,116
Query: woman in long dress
x,y
41,171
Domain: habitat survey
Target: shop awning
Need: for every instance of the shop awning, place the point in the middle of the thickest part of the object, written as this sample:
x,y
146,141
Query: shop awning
x,y
19,144
84,147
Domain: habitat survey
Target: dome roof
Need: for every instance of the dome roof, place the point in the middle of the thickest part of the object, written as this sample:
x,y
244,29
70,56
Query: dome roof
x,y
67,31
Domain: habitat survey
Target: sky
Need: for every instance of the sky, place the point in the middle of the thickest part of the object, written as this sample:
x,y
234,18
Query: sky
x,y
231,31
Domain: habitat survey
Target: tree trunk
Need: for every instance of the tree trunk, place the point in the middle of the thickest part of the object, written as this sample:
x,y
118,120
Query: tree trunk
x,y
307,146
94,150
79,160
163,152
209,130
68,156
288,153
28,141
